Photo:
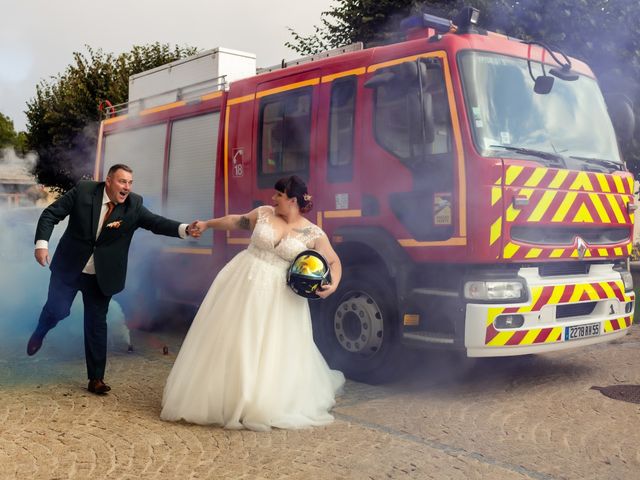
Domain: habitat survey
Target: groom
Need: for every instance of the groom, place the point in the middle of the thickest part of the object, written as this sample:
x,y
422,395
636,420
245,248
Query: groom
x,y
92,258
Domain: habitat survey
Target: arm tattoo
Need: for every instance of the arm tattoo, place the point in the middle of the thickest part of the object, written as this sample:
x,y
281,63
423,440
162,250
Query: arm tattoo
x,y
243,223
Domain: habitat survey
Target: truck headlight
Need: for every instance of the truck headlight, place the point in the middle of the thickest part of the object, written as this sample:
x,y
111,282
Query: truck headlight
x,y
627,279
495,290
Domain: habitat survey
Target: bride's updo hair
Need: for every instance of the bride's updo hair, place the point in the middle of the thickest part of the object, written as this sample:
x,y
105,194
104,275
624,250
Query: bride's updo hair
x,y
294,187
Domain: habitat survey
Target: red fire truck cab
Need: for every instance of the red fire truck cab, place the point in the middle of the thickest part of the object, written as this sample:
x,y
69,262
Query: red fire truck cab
x,y
471,184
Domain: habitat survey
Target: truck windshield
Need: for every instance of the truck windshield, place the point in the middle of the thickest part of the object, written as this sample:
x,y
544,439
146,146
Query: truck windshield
x,y
508,118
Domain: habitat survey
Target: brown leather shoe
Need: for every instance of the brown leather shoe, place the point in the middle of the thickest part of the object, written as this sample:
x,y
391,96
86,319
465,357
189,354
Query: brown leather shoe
x,y
98,386
35,342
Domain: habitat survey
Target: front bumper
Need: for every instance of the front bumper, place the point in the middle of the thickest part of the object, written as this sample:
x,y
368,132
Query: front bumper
x,y
555,304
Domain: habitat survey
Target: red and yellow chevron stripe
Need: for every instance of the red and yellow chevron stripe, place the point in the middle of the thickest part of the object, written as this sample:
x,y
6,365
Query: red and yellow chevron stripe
x,y
560,197
555,295
554,179
532,336
496,209
520,252
560,294
617,324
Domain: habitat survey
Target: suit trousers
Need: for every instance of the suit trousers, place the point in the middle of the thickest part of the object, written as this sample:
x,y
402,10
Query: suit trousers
x,y
96,305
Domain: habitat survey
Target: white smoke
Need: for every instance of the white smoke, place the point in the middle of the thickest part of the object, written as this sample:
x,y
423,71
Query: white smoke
x,y
24,163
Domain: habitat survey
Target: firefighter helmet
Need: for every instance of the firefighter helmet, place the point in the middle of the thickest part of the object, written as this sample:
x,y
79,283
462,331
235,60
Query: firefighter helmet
x,y
307,273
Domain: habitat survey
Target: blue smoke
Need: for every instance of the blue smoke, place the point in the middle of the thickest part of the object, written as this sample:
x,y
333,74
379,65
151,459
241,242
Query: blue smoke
x,y
23,292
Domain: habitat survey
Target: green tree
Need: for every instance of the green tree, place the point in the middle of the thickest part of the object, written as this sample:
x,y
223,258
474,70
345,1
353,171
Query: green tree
x,y
62,118
21,144
8,136
603,33
350,21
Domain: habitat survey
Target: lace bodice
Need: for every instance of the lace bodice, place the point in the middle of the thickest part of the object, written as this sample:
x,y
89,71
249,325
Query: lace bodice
x,y
263,239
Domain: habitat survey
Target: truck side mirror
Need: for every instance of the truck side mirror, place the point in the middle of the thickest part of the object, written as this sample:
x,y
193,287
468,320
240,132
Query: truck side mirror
x,y
620,109
429,123
543,84
432,80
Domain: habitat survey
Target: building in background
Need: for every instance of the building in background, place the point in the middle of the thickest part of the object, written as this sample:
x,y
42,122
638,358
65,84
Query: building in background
x,y
18,188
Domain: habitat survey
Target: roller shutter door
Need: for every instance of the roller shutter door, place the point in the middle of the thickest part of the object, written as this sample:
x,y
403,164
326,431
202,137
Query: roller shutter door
x,y
192,168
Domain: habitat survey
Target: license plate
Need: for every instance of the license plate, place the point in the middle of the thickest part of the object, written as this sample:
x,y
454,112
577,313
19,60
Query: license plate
x,y
582,331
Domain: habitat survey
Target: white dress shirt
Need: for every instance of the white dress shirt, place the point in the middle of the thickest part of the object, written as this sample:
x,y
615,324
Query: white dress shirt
x,y
90,268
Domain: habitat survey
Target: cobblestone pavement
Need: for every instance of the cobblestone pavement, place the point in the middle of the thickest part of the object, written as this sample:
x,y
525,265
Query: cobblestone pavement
x,y
500,419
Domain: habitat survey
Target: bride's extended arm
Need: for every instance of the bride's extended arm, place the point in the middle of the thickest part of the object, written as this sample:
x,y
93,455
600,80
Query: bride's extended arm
x,y
230,222
323,246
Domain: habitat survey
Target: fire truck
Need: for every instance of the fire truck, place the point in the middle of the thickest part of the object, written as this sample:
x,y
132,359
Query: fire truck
x,y
471,184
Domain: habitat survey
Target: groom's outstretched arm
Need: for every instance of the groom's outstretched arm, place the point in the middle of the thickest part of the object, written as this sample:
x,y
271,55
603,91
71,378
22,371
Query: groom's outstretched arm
x,y
164,226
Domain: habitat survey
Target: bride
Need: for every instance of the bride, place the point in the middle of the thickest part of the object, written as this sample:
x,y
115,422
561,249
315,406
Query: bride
x,y
248,360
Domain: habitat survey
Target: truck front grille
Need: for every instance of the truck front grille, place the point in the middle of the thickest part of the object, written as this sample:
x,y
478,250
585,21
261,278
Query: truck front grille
x,y
563,268
566,235
575,309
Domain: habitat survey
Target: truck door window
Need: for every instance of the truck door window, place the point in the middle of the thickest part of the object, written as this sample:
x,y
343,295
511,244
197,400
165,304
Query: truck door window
x,y
435,87
411,113
341,122
284,132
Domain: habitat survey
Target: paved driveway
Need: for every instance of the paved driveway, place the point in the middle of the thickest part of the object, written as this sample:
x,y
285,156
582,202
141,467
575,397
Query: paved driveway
x,y
500,419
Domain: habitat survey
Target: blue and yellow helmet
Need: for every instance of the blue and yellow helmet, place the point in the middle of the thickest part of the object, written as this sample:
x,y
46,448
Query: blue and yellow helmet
x,y
307,273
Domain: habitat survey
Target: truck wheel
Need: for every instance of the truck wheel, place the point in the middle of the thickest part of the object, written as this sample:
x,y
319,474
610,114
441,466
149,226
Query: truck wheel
x,y
356,328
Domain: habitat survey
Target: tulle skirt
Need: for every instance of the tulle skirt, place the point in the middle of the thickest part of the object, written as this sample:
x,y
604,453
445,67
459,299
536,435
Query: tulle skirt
x,y
249,360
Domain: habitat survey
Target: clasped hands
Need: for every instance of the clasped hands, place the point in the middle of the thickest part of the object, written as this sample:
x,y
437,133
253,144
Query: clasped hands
x,y
197,228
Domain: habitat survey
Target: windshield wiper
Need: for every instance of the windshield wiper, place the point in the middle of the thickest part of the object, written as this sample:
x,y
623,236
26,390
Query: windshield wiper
x,y
599,161
552,158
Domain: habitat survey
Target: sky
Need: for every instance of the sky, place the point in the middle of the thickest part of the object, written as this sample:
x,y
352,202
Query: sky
x,y
38,37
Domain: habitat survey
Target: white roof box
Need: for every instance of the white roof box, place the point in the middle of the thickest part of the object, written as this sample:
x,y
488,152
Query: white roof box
x,y
189,78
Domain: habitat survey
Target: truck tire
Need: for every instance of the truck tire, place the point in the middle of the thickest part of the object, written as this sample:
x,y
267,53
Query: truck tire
x,y
356,328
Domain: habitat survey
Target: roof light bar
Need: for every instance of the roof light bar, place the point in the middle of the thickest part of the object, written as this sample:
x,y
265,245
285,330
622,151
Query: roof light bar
x,y
440,25
464,22
414,21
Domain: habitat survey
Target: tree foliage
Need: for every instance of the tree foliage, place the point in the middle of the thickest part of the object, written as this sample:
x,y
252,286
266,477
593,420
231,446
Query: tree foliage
x,y
8,135
62,118
350,21
9,138
603,33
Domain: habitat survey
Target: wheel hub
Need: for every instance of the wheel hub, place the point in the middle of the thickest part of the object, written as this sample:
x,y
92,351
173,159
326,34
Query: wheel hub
x,y
358,324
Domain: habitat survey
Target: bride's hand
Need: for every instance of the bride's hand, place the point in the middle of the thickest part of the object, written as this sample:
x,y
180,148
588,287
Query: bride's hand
x,y
201,226
326,289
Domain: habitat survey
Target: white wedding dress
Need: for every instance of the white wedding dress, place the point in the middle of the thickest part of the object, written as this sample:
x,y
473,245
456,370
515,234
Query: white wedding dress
x,y
249,360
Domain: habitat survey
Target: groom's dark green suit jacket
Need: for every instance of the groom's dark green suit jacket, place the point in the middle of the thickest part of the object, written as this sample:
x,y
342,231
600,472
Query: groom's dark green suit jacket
x,y
110,250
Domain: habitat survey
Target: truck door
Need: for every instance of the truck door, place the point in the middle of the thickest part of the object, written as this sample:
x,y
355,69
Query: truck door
x,y
412,123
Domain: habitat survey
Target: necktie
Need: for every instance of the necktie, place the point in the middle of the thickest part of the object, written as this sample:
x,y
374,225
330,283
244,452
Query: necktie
x,y
110,207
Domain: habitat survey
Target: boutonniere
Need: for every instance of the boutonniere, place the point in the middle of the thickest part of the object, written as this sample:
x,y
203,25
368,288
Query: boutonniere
x,y
115,224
